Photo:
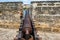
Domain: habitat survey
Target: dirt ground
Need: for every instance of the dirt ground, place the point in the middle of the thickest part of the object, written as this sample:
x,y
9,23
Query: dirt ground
x,y
49,35
9,34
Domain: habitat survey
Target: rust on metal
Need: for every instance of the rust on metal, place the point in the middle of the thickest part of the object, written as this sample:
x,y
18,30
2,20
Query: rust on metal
x,y
27,30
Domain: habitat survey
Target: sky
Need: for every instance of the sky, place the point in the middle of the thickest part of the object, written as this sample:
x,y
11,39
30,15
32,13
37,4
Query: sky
x,y
24,1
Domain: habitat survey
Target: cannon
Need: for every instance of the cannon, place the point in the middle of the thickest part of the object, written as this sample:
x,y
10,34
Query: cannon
x,y
27,30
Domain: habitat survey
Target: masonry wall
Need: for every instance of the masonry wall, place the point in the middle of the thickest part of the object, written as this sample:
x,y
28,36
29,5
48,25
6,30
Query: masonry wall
x,y
46,15
10,14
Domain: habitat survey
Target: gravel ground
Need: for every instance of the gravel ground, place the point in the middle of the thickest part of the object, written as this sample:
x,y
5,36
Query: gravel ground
x,y
7,34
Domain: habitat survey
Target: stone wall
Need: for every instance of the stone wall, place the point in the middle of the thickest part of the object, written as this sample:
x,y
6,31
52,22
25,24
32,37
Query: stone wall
x,y
10,14
46,14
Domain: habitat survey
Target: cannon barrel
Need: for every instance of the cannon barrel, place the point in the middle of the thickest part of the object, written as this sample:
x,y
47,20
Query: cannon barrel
x,y
27,30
